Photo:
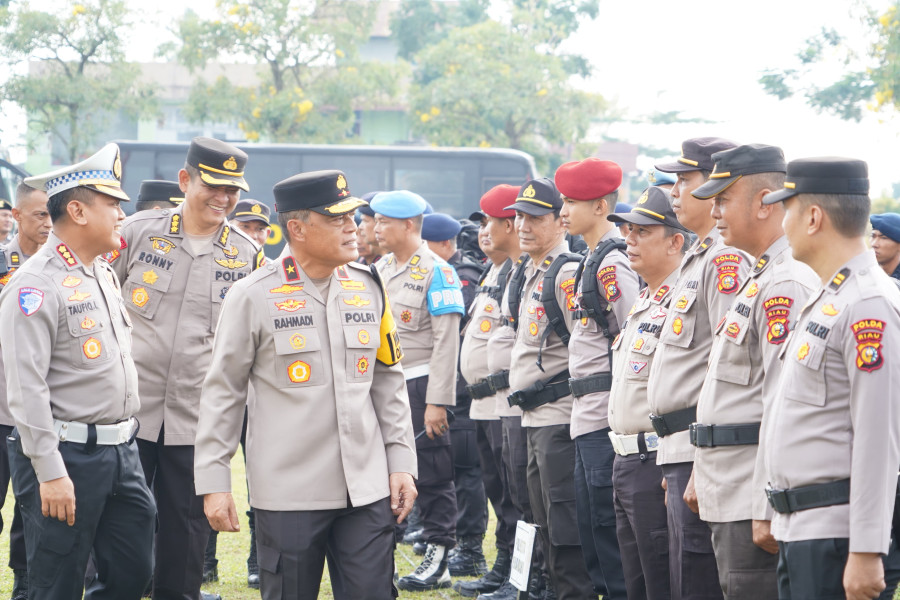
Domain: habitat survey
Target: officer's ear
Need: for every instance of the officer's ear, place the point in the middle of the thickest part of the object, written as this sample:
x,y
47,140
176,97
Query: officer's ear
x,y
296,230
183,179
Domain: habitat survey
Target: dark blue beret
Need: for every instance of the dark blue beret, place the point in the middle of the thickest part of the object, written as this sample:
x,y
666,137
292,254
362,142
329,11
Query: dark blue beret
x,y
888,224
438,227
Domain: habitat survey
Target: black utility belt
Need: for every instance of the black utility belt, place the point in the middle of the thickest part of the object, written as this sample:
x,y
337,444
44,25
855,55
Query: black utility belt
x,y
480,390
498,381
601,382
673,422
809,496
710,436
541,392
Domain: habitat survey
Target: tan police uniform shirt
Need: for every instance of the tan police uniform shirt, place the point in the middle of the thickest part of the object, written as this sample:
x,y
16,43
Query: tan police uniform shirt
x,y
500,347
633,352
174,296
329,420
15,258
835,414
66,350
533,321
484,320
589,349
427,339
743,370
711,275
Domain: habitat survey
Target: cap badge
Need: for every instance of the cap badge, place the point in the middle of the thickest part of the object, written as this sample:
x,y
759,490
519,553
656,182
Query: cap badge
x,y
529,192
255,209
341,182
117,167
644,197
230,164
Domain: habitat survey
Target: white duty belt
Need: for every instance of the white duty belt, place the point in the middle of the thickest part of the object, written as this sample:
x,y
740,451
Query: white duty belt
x,y
414,372
107,435
625,444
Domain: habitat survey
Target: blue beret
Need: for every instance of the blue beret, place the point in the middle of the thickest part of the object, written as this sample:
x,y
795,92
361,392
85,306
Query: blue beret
x,y
656,177
400,204
621,207
888,224
428,208
438,227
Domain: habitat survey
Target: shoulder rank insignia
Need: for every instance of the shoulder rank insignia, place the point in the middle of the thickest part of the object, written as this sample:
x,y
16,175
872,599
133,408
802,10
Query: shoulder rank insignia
x,y
13,258
869,334
762,262
223,239
290,269
661,293
702,246
66,255
175,224
839,279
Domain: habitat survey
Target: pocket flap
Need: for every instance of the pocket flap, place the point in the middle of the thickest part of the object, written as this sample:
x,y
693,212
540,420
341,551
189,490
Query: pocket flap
x,y
269,559
299,340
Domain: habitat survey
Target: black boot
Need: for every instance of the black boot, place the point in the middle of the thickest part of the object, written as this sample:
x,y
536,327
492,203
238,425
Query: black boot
x,y
210,564
506,592
469,558
20,585
252,564
490,582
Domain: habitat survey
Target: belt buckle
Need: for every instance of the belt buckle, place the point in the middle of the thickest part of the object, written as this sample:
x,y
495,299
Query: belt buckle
x,y
778,500
659,425
618,446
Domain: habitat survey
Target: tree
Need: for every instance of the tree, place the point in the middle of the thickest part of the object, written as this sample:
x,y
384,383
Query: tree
x,y
81,78
311,79
486,85
420,23
871,76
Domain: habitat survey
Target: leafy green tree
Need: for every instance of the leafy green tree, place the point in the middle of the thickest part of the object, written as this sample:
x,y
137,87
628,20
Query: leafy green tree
x,y
77,76
870,79
487,85
311,78
420,23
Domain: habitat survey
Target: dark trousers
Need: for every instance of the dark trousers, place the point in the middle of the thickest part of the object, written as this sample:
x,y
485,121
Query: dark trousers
x,y
496,485
814,569
437,494
642,526
515,462
17,556
746,571
114,517
692,563
551,489
358,543
596,513
183,529
471,503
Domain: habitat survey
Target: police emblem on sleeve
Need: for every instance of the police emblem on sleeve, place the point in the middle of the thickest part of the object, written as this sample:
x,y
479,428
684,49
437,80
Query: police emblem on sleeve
x,y
30,300
778,311
727,268
869,334
607,278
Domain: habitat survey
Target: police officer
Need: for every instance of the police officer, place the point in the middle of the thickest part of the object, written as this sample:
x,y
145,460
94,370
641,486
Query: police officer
x,y
73,393
886,242
33,220
370,251
251,217
156,194
6,221
832,440
324,356
711,275
176,267
539,379
743,369
427,303
656,243
439,231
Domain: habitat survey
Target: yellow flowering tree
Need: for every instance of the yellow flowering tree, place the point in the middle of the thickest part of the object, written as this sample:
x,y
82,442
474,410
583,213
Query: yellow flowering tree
x,y
69,72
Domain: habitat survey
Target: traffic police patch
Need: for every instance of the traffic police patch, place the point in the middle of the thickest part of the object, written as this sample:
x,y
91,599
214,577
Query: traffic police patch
x,y
869,334
30,300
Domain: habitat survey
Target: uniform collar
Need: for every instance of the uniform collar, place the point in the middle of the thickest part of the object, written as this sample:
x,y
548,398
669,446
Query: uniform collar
x,y
772,253
61,253
545,262
861,263
702,245
175,227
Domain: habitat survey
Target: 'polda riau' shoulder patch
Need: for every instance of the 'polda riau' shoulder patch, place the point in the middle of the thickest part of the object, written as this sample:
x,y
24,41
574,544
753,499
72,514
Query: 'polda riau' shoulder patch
x,y
869,335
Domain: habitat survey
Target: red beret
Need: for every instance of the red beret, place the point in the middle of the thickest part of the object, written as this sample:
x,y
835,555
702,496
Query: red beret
x,y
588,179
496,199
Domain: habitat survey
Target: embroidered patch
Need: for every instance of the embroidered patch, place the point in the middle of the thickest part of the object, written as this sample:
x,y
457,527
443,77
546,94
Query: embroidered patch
x,y
752,290
803,352
230,252
488,308
150,277
298,371
230,263
161,245
732,330
416,276
5,279
539,312
607,278
533,328
682,303
111,257
92,348
78,296
830,310
869,335
637,366
71,281
448,275
727,267
778,312
357,301
568,286
363,336
485,326
140,297
88,324
660,293
356,286
290,305
30,300
362,365
286,289
406,316
66,255
638,344
297,341
677,326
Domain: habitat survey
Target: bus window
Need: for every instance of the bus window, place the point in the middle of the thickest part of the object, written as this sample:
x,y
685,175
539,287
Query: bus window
x,y
441,181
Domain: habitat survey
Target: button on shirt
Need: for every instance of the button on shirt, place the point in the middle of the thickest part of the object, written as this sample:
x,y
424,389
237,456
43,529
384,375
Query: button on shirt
x,y
174,295
711,275
835,413
743,372
66,350
328,421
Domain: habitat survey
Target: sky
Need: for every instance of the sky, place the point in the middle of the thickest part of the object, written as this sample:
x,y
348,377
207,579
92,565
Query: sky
x,y
702,58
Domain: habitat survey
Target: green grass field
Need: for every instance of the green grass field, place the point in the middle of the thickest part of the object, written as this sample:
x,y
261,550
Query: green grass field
x,y
232,554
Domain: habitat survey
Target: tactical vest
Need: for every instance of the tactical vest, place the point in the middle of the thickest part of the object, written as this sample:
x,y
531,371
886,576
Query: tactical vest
x,y
591,304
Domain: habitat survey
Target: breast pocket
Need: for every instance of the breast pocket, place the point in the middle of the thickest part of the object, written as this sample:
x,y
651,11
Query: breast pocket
x,y
92,346
298,358
361,343
808,382
639,357
678,329
733,365
533,322
145,288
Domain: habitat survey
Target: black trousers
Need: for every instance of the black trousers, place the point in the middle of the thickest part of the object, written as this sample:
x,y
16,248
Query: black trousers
x,y
114,517
471,502
437,494
692,564
358,543
496,484
642,526
746,571
17,555
183,528
551,488
596,512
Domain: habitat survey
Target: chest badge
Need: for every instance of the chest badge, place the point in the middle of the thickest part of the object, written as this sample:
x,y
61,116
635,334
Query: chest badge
x,y
78,296
298,371
150,276
406,316
286,289
362,365
88,323
92,348
161,245
298,342
230,263
290,305
140,297
357,301
803,351
71,281
485,326
677,326
363,336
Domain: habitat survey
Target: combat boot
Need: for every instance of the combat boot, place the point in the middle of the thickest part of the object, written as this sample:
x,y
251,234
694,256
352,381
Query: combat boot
x,y
469,558
20,585
490,582
432,574
505,592
419,548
